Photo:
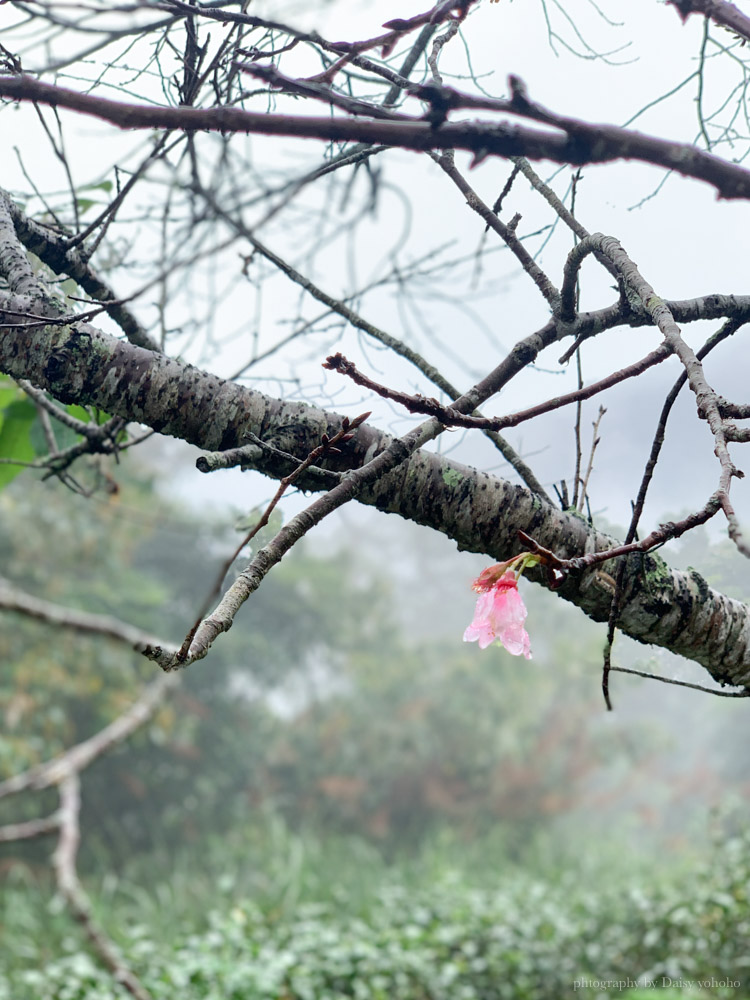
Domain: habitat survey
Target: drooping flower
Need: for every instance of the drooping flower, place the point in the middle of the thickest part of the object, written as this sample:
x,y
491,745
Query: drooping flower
x,y
500,612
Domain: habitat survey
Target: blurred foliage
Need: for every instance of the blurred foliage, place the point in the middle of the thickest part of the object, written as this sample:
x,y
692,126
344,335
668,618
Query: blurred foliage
x,y
430,734
510,936
135,557
336,743
17,415
318,703
329,702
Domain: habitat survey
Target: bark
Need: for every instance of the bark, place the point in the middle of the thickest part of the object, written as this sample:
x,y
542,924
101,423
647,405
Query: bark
x,y
482,513
720,11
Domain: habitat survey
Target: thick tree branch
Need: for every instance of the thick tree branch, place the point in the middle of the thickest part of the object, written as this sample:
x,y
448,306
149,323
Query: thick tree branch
x,y
480,512
720,11
56,253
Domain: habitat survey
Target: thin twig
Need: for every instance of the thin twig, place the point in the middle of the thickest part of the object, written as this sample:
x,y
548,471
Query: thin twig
x,y
687,684
451,417
327,446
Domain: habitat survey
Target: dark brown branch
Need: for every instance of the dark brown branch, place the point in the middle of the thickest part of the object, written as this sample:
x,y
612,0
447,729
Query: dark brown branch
x,y
664,532
398,26
320,92
452,418
580,142
584,484
687,684
719,11
506,233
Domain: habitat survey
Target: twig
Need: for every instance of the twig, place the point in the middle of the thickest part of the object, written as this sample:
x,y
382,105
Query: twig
x,y
394,343
31,828
579,143
662,317
251,577
326,446
446,161
451,417
14,599
671,680
308,88
594,442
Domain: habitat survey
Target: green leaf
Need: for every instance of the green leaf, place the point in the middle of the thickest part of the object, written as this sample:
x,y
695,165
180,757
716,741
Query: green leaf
x,y
74,410
65,437
100,186
7,394
15,437
100,416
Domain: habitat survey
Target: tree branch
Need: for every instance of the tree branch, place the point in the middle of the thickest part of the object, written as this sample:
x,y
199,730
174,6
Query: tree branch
x,y
720,11
579,143
480,512
14,599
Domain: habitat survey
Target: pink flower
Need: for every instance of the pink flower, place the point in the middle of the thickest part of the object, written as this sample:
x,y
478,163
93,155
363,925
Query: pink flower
x,y
500,613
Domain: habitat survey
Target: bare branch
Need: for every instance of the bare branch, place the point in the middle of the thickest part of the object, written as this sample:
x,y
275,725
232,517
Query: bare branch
x,y
728,15
14,599
580,142
64,863
79,757
31,828
450,417
63,258
214,414
327,446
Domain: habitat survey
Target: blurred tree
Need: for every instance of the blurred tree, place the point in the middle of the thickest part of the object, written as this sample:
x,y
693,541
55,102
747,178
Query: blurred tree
x,y
373,733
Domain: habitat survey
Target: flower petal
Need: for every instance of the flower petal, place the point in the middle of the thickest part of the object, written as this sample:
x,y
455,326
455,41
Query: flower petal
x,y
499,614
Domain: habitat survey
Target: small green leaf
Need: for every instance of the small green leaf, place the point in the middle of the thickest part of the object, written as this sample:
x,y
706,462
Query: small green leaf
x,y
15,438
74,410
100,186
7,394
65,437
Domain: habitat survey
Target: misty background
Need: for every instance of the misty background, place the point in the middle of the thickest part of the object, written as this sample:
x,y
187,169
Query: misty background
x,y
342,742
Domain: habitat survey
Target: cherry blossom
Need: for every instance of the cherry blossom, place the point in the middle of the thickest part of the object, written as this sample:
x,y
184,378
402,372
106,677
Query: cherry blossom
x,y
500,612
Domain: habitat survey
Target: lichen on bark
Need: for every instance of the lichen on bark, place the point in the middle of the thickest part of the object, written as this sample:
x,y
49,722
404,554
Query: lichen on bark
x,y
482,513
